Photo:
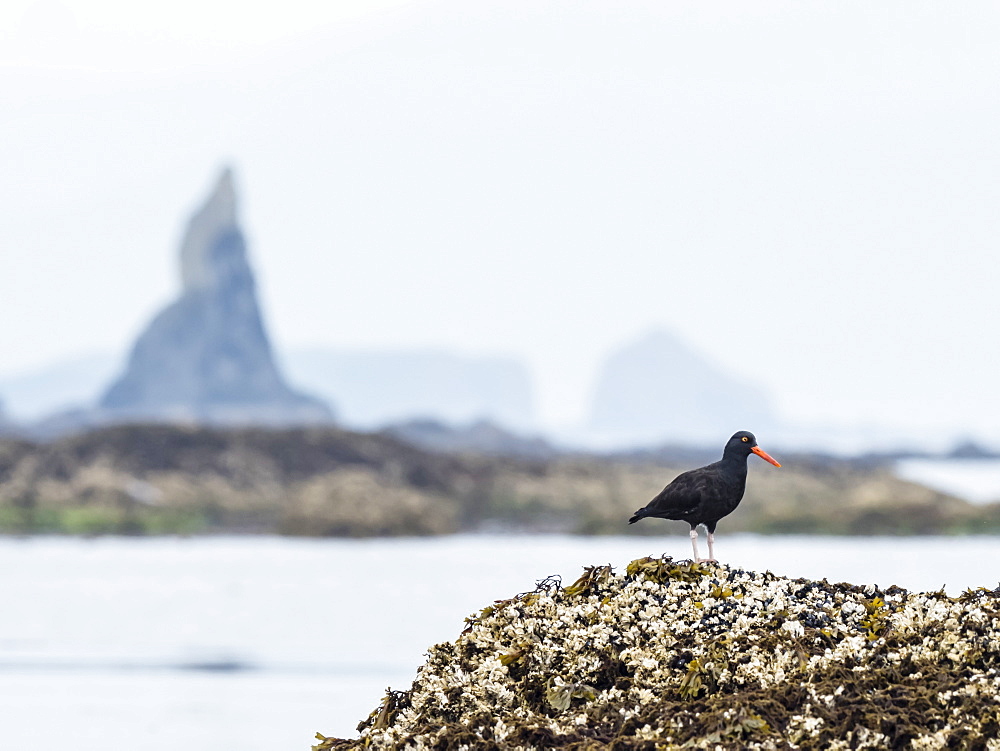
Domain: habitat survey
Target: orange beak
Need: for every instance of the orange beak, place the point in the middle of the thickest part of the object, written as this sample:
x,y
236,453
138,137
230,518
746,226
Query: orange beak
x,y
763,455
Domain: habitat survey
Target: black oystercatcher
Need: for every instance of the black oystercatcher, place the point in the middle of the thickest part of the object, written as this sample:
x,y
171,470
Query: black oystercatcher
x,y
705,495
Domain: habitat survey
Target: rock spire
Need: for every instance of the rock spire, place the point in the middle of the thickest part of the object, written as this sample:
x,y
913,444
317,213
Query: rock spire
x,y
206,357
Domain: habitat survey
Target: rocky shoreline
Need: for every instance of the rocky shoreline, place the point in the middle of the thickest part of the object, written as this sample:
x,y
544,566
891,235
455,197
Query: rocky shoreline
x,y
673,654
326,482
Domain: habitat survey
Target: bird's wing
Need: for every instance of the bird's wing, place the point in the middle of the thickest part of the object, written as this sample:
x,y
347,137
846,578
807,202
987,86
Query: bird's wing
x,y
683,495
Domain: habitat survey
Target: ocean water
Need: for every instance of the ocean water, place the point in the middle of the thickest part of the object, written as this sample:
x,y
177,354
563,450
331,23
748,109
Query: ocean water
x,y
258,642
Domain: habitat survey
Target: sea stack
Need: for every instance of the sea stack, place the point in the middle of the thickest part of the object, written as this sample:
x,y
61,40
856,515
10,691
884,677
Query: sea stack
x,y
659,388
206,357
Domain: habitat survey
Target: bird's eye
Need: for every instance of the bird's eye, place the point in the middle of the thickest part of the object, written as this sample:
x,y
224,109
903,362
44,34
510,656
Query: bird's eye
x,y
745,439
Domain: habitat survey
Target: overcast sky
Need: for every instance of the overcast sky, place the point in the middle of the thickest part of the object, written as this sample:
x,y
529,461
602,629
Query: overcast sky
x,y
810,192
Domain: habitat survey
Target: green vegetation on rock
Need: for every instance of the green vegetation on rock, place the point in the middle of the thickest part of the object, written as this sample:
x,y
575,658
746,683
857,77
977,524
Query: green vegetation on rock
x,y
672,655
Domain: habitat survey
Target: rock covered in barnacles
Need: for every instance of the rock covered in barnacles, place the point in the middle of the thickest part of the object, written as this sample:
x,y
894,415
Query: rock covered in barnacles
x,y
676,654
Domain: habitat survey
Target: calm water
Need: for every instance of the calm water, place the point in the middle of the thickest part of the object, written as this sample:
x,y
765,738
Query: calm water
x,y
256,643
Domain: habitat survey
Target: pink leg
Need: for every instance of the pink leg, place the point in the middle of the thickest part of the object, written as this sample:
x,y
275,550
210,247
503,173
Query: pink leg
x,y
711,547
694,544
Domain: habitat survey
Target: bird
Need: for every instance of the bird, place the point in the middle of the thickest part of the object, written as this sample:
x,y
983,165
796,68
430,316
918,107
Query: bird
x,y
705,495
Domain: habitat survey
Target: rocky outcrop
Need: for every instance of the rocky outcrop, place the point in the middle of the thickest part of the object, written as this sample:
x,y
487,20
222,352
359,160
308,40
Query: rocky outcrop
x,y
681,655
321,480
157,479
206,358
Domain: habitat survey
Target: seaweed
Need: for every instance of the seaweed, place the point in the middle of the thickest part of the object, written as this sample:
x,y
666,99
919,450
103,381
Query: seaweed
x,y
662,570
592,578
683,655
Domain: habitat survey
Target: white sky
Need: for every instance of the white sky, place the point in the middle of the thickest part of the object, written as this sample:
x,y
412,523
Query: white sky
x,y
808,191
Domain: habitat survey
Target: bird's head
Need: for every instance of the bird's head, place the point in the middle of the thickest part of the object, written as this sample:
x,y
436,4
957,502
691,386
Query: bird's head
x,y
743,444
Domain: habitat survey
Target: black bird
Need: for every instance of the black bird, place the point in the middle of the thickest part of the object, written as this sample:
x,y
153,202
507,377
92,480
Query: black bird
x,y
705,495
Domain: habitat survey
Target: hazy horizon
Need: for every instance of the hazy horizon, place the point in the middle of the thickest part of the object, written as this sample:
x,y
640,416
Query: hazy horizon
x,y
805,193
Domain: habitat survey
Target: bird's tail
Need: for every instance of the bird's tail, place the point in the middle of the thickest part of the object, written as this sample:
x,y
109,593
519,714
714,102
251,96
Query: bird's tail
x,y
640,514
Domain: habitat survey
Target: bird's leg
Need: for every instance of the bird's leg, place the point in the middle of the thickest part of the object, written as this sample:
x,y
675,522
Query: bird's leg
x,y
694,543
711,546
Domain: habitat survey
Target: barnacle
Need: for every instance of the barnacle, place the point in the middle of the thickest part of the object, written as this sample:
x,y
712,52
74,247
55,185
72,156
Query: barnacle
x,y
674,654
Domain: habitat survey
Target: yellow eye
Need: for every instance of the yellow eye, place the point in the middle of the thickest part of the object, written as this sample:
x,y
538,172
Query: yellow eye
x,y
745,439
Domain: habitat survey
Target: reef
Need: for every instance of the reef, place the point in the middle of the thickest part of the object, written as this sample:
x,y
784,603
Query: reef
x,y
673,654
